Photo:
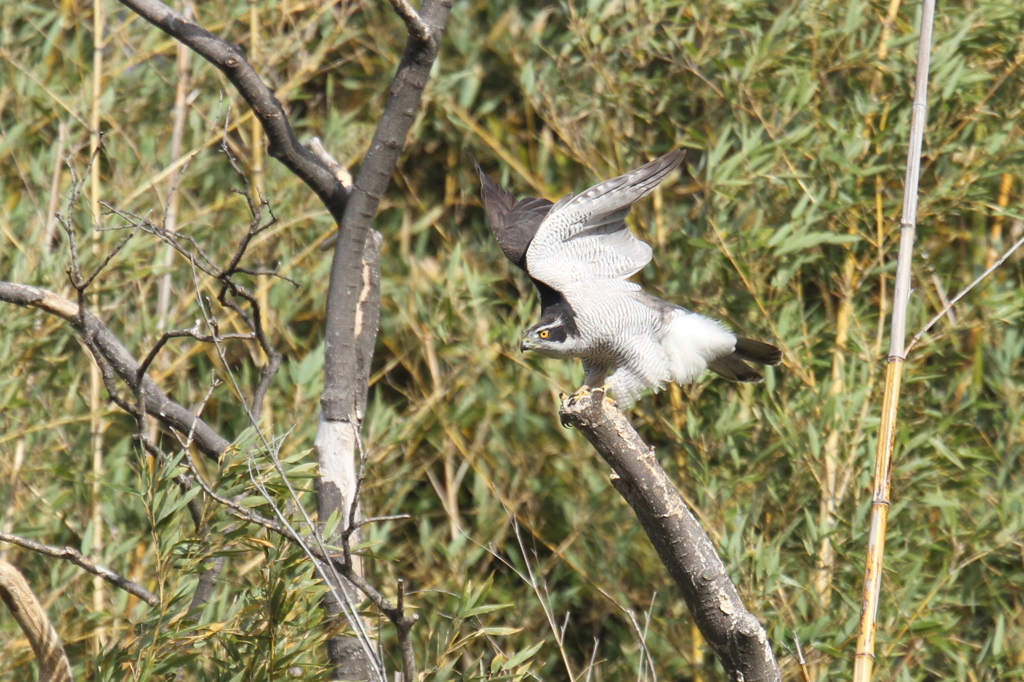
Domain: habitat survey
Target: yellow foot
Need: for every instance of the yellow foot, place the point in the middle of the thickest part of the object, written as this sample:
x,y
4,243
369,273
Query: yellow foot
x,y
585,391
582,392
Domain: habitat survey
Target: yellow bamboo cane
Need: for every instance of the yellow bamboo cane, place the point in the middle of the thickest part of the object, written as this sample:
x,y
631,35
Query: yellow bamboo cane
x,y
865,655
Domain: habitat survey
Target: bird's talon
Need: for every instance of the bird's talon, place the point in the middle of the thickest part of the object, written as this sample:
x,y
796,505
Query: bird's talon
x,y
581,393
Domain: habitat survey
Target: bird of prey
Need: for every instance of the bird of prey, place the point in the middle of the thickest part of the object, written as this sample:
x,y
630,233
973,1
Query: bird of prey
x,y
579,253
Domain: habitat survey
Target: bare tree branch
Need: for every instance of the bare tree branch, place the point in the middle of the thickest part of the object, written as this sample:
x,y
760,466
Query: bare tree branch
x,y
284,144
74,556
353,297
734,633
99,337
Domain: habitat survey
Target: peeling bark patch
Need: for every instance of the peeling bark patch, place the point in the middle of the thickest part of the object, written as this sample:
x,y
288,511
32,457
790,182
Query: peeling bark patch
x,y
725,604
364,296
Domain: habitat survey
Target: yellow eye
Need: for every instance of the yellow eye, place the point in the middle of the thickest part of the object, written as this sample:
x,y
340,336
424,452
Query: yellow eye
x,y
544,334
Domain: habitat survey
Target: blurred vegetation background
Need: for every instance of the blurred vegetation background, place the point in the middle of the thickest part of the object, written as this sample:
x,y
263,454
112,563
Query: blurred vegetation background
x,y
521,559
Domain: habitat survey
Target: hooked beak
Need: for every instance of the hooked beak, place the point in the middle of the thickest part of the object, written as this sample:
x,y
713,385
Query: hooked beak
x,y
525,345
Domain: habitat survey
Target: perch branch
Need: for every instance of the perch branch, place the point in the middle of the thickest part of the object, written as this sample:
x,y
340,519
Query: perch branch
x,y
734,633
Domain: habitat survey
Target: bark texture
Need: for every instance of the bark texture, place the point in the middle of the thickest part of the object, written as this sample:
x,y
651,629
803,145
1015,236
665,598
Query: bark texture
x,y
735,634
353,310
23,605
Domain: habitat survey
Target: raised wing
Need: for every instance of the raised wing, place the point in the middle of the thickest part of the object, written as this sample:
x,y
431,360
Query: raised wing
x,y
585,236
514,223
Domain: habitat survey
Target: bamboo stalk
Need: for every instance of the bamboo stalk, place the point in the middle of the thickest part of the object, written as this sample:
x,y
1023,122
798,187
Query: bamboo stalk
x,y
95,112
179,116
259,191
865,654
996,238
830,474
50,227
97,423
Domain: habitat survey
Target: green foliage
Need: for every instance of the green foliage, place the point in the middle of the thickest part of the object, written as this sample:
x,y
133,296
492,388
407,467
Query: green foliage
x,y
521,559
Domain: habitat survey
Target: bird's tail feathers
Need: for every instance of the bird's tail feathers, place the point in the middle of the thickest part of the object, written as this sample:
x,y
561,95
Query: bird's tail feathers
x,y
756,351
734,369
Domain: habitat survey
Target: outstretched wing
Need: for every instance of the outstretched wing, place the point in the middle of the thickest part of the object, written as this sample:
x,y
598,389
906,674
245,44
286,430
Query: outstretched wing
x,y
585,236
514,223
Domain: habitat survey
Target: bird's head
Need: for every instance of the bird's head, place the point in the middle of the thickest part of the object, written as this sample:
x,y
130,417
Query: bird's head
x,y
551,336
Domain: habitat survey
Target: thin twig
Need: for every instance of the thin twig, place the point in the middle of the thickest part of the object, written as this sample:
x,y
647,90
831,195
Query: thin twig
x,y
801,661
956,299
74,556
193,333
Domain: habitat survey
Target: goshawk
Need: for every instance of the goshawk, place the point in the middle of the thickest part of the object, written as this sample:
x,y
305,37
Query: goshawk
x,y
579,253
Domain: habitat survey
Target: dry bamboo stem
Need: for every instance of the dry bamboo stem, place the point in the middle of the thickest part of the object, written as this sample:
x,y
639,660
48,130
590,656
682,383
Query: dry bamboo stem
x,y
259,192
865,654
50,227
179,116
98,424
830,474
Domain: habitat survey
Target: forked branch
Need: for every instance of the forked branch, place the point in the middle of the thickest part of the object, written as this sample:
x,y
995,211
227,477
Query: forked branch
x,y
419,30
98,337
